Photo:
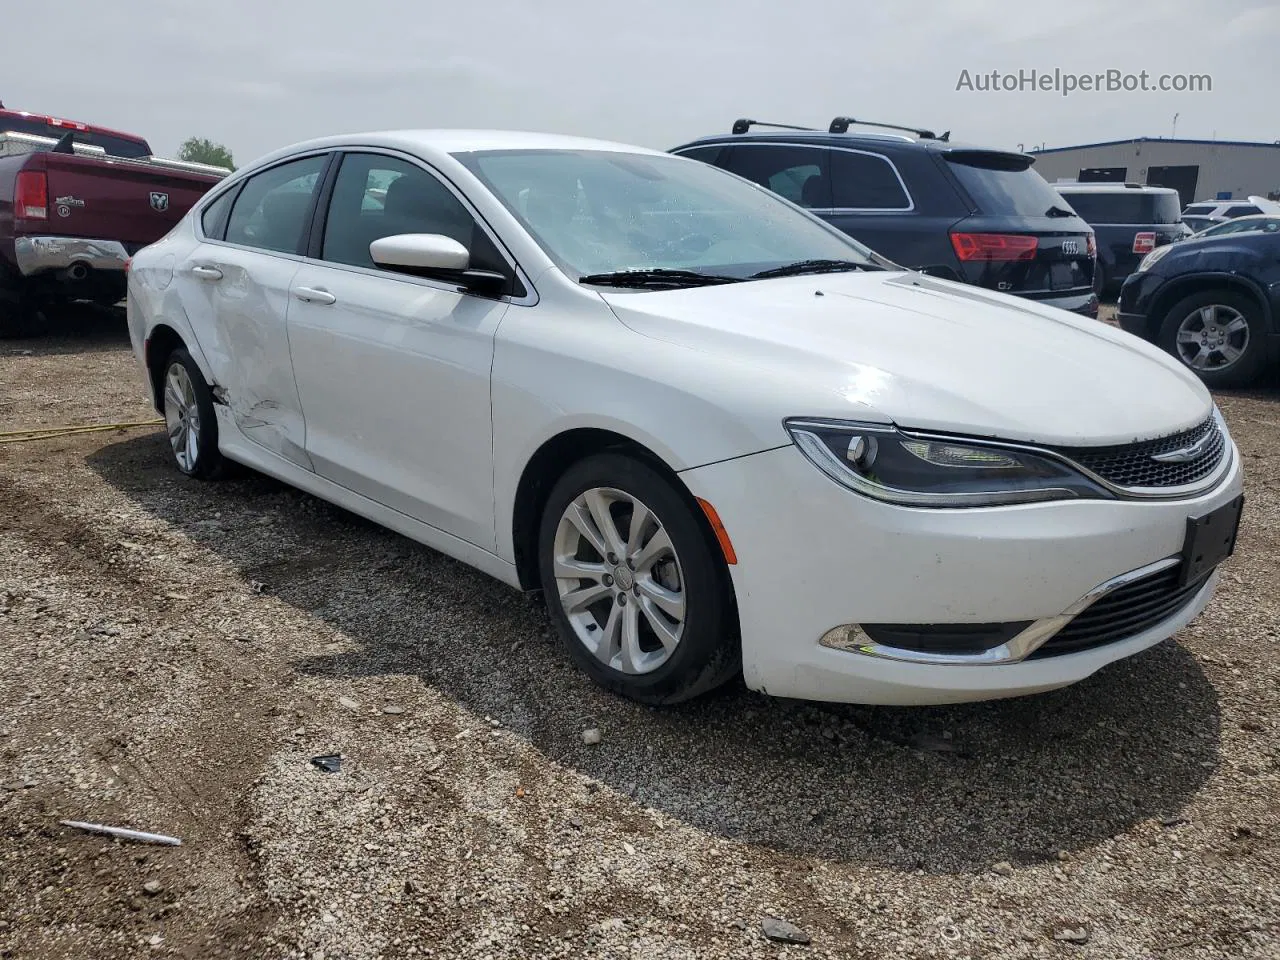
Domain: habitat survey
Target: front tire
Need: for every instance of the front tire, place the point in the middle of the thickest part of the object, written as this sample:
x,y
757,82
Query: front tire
x,y
1219,335
638,591
190,421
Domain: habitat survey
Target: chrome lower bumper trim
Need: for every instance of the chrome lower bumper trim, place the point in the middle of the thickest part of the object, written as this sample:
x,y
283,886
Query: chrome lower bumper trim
x,y
851,638
39,254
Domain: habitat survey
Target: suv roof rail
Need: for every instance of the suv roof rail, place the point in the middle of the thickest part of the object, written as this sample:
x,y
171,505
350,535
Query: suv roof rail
x,y
842,124
743,125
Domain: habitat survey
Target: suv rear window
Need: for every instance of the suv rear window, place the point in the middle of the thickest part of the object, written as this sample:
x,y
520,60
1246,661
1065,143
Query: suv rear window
x,y
1129,207
1003,183
114,146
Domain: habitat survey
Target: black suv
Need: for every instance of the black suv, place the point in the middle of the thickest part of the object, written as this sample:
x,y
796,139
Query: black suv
x,y
967,213
1129,220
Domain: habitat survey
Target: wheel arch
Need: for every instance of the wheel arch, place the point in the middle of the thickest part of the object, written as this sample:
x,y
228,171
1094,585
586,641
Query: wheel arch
x,y
1184,287
550,461
161,341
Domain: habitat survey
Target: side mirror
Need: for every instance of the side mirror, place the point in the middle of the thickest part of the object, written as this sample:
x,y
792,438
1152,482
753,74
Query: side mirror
x,y
420,251
436,256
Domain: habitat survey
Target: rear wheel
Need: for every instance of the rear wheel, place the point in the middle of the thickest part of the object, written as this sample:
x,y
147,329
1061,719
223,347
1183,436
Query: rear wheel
x,y
1219,335
189,417
638,592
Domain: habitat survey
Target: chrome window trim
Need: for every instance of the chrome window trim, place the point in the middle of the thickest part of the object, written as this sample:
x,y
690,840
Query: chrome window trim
x,y
530,298
909,208
853,639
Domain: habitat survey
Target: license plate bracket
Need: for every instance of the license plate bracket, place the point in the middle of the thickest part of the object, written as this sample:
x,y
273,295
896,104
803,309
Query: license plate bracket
x,y
1210,539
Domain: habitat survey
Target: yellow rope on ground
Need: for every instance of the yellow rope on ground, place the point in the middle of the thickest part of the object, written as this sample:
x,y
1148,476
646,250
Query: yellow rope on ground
x,y
50,433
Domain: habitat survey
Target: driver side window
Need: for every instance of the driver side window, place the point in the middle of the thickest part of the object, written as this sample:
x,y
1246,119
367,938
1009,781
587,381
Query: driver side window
x,y
377,196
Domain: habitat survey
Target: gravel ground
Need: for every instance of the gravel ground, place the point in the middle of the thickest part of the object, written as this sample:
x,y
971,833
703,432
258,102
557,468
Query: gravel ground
x,y
173,654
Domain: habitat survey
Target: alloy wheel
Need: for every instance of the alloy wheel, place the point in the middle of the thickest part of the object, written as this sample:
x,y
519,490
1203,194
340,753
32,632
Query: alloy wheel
x,y
1212,337
182,416
619,580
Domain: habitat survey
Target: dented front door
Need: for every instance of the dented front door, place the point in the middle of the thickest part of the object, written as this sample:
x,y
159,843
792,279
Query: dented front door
x,y
236,299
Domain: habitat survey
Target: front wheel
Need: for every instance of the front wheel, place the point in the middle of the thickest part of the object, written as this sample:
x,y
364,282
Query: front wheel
x,y
638,592
1219,335
189,417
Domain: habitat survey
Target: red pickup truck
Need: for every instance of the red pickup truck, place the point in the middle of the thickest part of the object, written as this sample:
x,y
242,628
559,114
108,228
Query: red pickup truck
x,y
76,201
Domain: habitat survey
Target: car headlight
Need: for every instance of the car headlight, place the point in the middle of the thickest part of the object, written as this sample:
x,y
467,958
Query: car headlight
x,y
1147,261
887,464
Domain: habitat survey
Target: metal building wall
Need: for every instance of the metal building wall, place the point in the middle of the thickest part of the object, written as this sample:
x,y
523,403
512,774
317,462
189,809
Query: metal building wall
x,y
1242,169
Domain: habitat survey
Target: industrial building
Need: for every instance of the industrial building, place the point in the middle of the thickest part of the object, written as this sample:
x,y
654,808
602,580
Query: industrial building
x,y
1197,169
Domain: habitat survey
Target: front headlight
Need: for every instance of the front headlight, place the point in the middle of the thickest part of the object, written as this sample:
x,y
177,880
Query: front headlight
x,y
897,467
1147,261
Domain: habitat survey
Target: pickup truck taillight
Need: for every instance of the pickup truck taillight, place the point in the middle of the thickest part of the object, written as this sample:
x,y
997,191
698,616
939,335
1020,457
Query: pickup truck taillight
x,y
1144,242
993,246
31,195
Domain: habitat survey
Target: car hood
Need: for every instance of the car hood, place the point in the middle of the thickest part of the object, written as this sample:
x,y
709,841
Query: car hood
x,y
928,354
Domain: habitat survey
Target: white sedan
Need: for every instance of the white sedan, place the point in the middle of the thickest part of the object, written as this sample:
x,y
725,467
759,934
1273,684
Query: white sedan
x,y
720,436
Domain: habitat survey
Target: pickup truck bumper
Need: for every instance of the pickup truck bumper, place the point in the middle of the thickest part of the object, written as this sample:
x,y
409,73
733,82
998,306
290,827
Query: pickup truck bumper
x,y
40,254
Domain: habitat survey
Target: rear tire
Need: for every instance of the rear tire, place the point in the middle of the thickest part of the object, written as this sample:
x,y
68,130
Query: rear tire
x,y
190,419
635,582
1221,330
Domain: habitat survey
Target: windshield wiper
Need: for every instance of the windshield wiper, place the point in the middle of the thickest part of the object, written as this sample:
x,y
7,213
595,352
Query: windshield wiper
x,y
658,278
1058,212
813,266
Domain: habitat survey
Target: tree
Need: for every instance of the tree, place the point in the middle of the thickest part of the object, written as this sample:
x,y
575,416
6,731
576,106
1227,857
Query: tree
x,y
200,150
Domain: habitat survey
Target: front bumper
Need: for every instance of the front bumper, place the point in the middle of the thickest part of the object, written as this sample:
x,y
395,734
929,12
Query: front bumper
x,y
1135,323
42,254
824,558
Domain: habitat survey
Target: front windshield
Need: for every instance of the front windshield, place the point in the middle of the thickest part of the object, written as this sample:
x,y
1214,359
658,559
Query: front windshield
x,y
600,212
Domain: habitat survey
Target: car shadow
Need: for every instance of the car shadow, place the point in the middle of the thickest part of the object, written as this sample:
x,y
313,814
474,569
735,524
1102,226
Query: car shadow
x,y
944,790
78,327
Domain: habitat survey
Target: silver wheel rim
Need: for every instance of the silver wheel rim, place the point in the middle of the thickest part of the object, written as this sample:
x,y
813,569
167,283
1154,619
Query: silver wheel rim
x,y
182,416
1212,337
619,580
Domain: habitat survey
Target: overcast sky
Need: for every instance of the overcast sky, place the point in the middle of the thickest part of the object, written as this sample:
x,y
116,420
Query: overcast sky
x,y
260,74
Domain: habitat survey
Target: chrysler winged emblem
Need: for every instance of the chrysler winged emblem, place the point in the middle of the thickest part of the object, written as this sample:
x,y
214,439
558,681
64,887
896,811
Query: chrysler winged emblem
x,y
159,202
1185,454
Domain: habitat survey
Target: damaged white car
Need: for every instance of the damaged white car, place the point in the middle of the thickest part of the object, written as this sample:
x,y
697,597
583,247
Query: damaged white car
x,y
720,436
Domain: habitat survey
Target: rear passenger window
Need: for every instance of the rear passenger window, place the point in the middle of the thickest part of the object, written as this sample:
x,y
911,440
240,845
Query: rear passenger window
x,y
272,209
795,172
865,181
1241,211
213,220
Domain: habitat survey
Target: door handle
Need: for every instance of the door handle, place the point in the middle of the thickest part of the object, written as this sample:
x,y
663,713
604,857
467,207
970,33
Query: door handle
x,y
312,295
206,273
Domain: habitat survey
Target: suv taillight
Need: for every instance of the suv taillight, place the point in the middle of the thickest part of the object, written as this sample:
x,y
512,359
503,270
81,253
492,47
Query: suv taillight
x,y
1091,245
1144,242
31,195
994,246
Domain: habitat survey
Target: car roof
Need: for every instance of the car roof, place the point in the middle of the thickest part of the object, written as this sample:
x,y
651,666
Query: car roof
x,y
854,138
449,141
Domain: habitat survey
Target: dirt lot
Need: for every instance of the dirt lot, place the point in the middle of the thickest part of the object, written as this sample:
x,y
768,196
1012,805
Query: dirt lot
x,y
172,654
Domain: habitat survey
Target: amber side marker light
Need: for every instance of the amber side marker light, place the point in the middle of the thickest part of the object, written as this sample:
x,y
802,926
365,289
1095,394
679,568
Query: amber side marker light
x,y
722,535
